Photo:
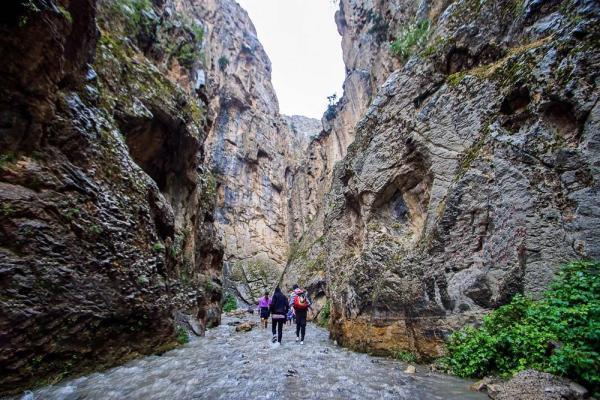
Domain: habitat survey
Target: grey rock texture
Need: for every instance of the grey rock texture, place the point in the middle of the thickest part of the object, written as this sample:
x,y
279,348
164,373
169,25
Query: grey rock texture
x,y
252,150
534,385
472,176
106,222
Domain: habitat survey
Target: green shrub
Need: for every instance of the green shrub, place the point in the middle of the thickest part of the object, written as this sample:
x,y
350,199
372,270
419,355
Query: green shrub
x,y
7,159
96,229
230,304
331,111
324,315
405,356
559,334
187,54
136,16
157,247
182,335
223,63
410,39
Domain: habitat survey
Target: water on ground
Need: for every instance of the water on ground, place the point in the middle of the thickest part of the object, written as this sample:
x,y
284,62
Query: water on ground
x,y
229,365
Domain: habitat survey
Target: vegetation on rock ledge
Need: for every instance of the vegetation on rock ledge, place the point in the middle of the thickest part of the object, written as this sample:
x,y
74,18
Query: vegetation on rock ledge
x,y
559,334
230,304
413,37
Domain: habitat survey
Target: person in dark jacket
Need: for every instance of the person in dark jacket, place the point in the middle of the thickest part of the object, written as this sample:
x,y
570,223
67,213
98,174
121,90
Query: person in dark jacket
x,y
279,309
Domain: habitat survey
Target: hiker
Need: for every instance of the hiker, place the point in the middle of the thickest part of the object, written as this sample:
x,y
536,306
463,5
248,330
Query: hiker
x,y
279,308
263,308
301,304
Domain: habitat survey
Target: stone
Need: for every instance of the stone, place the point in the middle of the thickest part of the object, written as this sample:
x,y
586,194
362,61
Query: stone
x,y
410,370
534,385
487,384
245,327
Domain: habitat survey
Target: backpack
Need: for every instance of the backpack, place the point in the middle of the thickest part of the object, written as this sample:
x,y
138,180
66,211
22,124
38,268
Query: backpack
x,y
300,301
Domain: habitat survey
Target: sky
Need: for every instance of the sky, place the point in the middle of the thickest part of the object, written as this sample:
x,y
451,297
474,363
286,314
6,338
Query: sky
x,y
304,46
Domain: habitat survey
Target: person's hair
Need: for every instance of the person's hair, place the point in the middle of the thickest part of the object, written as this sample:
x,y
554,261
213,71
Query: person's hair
x,y
277,290
295,286
266,294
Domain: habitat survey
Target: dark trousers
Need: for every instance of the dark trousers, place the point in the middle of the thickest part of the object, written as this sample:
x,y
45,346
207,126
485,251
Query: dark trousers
x,y
277,327
301,323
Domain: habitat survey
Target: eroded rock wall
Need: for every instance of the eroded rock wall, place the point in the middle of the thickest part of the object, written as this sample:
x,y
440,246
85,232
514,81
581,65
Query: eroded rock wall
x,y
106,222
251,150
472,176
366,28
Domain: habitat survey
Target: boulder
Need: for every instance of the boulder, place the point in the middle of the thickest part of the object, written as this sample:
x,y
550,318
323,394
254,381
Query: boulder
x,y
245,327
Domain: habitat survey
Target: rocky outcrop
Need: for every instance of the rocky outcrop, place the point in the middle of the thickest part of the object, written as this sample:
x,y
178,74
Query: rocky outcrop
x,y
106,225
251,150
366,28
472,176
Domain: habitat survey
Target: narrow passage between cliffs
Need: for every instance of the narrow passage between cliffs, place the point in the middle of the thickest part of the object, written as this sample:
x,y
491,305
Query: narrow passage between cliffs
x,y
233,364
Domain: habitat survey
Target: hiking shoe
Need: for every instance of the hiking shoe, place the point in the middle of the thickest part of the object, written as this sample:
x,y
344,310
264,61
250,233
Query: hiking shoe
x,y
302,342
297,339
274,339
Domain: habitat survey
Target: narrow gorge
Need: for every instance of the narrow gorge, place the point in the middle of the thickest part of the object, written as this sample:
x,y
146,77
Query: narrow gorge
x,y
147,175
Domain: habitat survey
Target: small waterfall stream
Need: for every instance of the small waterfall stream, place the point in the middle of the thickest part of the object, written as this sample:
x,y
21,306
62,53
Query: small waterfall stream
x,y
226,364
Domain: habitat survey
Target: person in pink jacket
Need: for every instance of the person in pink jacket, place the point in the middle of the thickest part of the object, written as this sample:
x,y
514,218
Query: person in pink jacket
x,y
263,308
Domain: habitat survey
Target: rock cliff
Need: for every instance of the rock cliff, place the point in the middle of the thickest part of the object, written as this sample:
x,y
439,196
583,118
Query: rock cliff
x,y
251,150
142,145
106,222
472,175
145,169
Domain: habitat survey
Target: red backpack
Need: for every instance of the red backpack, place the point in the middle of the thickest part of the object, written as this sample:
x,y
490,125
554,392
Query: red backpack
x,y
300,301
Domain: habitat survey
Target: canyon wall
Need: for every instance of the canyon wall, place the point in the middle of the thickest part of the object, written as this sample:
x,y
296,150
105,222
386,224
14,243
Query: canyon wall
x,y
251,150
473,174
106,225
366,29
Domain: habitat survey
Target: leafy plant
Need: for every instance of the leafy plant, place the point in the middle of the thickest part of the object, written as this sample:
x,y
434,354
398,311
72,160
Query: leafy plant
x,y
137,16
72,213
331,111
324,315
187,54
182,335
96,229
65,13
410,39
405,356
223,63
6,159
230,304
559,334
157,247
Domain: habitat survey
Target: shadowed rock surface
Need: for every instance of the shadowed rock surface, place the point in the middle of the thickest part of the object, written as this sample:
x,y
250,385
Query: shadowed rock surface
x,y
106,226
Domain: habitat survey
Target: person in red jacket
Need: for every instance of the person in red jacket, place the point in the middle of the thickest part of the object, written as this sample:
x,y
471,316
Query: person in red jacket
x,y
301,304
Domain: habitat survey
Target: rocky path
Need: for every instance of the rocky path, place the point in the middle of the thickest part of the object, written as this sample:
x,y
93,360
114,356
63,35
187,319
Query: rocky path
x,y
226,364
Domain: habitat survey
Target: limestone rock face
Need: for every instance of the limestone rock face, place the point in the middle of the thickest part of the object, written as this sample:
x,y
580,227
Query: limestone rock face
x,y
472,175
106,222
366,28
251,150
